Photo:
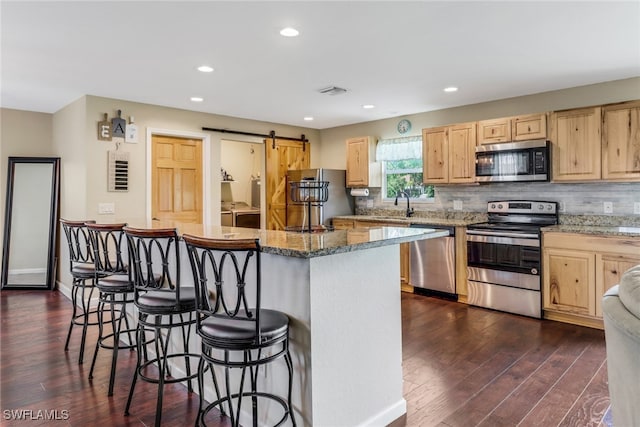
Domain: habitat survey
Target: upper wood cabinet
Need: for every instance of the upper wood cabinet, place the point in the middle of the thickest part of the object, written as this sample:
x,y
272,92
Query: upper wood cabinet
x,y
575,136
516,128
448,154
495,130
621,141
435,155
532,126
362,170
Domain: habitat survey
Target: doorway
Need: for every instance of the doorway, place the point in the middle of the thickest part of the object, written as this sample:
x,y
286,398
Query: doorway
x,y
177,176
242,166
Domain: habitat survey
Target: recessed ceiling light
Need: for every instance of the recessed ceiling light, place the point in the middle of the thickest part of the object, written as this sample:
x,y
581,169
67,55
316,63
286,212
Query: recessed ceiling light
x,y
308,118
197,99
205,68
368,106
289,32
451,89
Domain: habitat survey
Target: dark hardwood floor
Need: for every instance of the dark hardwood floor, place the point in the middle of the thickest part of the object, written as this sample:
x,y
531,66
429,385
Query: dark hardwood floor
x,y
463,366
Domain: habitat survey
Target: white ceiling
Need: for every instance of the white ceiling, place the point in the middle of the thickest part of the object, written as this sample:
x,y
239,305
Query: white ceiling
x,y
396,55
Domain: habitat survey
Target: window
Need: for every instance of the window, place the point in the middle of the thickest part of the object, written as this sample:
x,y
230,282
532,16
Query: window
x,y
402,160
406,175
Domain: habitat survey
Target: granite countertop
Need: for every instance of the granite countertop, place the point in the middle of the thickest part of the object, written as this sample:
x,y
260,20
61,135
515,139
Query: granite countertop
x,y
434,218
303,245
603,225
597,230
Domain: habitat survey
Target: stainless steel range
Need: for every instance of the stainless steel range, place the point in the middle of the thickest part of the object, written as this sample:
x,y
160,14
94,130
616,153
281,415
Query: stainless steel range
x,y
504,258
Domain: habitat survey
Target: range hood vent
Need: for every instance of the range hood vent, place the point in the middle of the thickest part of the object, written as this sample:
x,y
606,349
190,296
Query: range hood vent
x,y
332,90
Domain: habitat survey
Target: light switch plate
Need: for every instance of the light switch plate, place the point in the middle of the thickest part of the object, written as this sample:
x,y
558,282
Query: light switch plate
x,y
369,203
636,208
562,206
457,205
106,208
608,207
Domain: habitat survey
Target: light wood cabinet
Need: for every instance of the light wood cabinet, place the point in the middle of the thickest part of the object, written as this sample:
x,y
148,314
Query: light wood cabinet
x,y
579,269
621,142
494,130
435,156
362,170
342,224
531,126
609,269
448,154
516,128
569,281
575,136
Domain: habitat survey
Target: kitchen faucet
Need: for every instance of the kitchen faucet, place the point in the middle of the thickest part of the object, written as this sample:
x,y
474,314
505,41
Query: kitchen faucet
x,y
401,194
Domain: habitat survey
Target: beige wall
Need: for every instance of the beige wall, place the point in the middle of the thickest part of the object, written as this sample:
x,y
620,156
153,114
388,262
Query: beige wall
x,y
22,133
333,146
132,204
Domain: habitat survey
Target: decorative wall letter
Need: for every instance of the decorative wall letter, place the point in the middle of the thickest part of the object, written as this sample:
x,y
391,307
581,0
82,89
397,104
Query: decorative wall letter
x,y
104,129
117,126
131,131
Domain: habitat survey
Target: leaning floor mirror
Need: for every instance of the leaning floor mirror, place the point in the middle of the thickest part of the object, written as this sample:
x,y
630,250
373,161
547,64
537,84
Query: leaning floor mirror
x,y
31,222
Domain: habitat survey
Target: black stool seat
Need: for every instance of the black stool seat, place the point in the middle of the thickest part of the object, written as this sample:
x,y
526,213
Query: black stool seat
x,y
164,302
84,270
115,283
228,332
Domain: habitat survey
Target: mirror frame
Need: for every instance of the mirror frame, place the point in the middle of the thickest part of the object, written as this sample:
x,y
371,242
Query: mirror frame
x,y
52,259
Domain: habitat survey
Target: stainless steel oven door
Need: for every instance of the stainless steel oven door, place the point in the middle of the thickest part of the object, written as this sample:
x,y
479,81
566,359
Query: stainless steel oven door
x,y
504,272
515,254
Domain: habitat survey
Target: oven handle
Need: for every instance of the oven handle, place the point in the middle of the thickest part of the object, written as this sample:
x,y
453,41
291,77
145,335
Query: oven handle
x,y
474,236
502,234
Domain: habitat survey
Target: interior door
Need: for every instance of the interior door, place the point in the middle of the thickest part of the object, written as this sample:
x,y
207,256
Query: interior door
x,y
282,156
176,178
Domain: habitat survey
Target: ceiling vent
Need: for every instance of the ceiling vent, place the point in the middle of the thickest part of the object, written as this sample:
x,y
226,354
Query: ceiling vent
x,y
332,90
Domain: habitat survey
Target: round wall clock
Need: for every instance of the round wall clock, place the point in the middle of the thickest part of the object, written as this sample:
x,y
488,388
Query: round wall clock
x,y
404,126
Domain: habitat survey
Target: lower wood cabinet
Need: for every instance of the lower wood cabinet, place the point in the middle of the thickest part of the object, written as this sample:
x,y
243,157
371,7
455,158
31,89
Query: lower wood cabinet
x,y
579,269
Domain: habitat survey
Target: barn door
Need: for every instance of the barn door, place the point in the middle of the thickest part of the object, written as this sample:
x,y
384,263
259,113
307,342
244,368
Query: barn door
x,y
282,155
176,179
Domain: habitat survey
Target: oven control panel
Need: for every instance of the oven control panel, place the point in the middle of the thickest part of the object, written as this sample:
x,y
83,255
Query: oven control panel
x,y
522,206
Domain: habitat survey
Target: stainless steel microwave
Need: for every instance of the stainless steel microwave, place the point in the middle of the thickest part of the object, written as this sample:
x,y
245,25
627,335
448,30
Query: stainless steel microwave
x,y
513,161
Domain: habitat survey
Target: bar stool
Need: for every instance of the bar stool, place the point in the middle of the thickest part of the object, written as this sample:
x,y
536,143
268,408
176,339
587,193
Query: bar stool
x,y
163,304
116,291
82,269
233,334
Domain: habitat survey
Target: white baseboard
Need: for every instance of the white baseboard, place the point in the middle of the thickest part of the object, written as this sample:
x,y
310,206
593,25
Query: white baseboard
x,y
387,415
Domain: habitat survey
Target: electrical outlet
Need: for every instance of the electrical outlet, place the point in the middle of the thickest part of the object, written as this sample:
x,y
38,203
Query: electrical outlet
x,y
608,207
369,205
106,208
457,205
562,206
636,208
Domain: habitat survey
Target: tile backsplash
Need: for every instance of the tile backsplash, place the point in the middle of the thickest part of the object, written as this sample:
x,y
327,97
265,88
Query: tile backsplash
x,y
574,199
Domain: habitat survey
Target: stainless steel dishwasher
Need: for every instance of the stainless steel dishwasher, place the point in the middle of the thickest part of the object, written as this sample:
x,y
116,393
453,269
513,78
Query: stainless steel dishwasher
x,y
433,264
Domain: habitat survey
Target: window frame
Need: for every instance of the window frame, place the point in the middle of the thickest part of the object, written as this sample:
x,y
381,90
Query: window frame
x,y
385,171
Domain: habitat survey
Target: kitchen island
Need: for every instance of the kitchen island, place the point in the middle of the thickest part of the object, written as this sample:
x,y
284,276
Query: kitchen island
x,y
341,291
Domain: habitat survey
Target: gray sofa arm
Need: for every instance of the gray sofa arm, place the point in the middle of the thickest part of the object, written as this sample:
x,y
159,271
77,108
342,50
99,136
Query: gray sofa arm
x,y
622,334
